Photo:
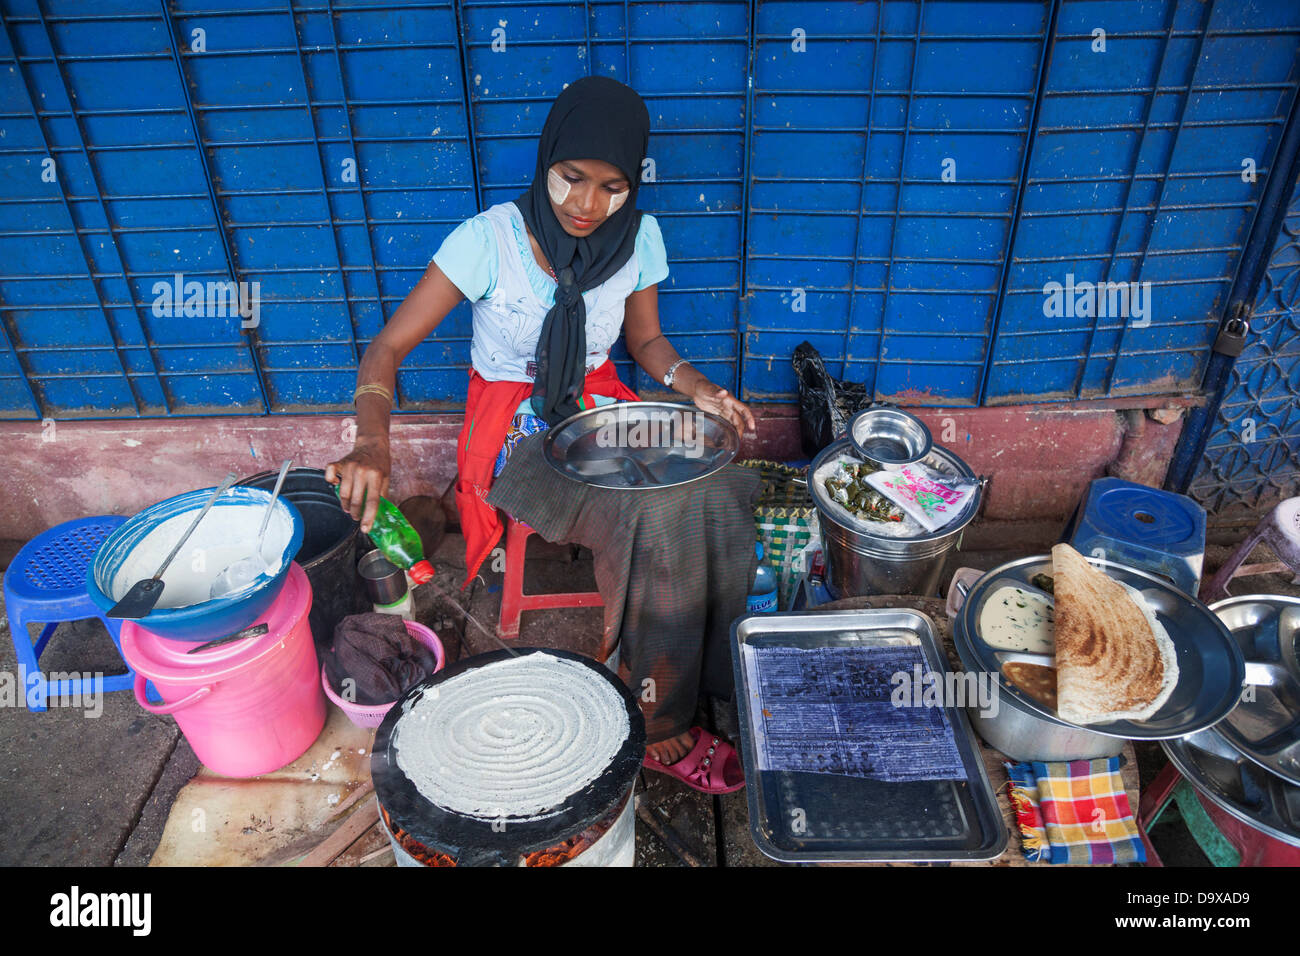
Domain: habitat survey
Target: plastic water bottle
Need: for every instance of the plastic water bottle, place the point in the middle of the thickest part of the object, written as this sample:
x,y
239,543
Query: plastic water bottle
x,y
762,596
393,535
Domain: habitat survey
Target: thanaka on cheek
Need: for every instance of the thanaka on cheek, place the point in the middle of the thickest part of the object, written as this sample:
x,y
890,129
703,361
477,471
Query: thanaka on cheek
x,y
557,186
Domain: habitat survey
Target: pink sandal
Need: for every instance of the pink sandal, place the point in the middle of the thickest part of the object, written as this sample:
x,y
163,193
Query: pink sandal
x,y
706,767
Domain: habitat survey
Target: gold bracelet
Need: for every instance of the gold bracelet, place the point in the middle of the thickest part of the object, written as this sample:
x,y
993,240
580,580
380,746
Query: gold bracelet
x,y
372,389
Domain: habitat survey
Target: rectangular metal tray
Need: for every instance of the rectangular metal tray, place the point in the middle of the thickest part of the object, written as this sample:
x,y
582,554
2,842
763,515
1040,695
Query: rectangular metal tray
x,y
798,817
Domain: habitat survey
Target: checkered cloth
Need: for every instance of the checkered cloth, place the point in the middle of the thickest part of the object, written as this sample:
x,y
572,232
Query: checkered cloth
x,y
1076,812
673,566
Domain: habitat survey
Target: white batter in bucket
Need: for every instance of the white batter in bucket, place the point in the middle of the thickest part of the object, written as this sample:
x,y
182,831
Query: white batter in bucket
x,y
228,533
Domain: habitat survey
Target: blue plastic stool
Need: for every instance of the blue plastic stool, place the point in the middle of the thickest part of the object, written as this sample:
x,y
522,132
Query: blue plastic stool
x,y
1153,530
46,584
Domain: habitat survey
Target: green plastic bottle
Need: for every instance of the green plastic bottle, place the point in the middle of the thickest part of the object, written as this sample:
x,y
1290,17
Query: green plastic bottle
x,y
393,535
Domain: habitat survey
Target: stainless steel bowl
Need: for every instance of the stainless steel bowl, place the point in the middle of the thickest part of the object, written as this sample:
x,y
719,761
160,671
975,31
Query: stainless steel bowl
x,y
1265,726
889,437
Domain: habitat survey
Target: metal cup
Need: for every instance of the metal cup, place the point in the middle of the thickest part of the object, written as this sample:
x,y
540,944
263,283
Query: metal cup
x,y
385,582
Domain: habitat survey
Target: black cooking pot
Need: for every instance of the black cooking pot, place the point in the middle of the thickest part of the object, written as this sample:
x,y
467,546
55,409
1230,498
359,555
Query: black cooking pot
x,y
331,539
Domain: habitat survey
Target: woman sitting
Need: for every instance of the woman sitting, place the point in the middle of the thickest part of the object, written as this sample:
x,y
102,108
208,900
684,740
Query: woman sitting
x,y
553,278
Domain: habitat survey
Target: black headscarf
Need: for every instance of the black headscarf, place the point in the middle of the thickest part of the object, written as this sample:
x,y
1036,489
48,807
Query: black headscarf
x,y
594,118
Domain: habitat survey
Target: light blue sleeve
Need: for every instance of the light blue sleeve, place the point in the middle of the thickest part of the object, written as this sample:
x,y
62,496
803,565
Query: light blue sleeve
x,y
468,257
650,253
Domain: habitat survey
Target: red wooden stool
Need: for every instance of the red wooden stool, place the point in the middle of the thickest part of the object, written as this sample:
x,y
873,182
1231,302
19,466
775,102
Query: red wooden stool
x,y
513,599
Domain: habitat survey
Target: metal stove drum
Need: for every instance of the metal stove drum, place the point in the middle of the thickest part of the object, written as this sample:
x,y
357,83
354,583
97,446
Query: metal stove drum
x,y
511,758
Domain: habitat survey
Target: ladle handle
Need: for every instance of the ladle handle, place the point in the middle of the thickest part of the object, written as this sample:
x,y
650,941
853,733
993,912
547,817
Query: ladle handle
x,y
284,470
221,489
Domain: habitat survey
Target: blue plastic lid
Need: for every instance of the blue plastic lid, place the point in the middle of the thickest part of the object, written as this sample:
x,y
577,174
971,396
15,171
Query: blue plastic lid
x,y
758,549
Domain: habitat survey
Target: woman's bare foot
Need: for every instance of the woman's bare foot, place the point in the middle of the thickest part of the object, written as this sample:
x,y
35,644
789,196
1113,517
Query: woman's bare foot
x,y
673,749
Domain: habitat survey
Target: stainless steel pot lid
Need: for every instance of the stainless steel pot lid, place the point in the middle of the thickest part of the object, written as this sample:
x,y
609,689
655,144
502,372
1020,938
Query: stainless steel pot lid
x,y
1210,663
1238,785
1265,726
641,445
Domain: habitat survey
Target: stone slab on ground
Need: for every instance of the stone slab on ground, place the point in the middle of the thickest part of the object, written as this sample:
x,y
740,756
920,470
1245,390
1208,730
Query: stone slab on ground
x,y
179,769
271,819
73,780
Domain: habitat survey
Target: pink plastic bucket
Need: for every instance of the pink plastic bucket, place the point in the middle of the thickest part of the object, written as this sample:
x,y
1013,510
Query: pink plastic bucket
x,y
248,707
372,715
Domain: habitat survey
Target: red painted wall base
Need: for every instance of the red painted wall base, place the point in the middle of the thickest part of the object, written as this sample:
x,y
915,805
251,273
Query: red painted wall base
x,y
1040,457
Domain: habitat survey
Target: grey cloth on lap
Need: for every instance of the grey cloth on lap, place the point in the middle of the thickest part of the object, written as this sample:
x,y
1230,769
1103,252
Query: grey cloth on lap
x,y
673,566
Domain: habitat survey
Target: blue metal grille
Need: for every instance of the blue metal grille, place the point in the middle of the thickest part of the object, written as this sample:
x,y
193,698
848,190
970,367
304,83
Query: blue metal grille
x,y
689,61
856,241
801,153
100,200
1137,176
1252,458
339,148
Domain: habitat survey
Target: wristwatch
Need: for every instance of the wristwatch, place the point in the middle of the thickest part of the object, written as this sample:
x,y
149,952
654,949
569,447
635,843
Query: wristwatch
x,y
671,374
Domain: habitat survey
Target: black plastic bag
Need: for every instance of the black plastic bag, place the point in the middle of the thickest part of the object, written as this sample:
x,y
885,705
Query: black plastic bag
x,y
825,403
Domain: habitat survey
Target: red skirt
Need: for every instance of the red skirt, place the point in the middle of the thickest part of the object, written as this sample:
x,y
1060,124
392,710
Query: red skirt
x,y
489,409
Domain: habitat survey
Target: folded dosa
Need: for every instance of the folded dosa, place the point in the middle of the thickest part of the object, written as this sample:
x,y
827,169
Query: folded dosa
x,y
1114,660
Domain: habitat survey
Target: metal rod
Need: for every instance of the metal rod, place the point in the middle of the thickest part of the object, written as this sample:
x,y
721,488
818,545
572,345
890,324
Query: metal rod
x,y
209,180
103,209
1207,18
1253,266
462,52
740,341
1026,158
1136,161
898,200
862,202
72,222
361,191
324,181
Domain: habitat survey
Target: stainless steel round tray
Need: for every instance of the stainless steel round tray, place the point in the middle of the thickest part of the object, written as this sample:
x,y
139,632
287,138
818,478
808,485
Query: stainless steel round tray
x,y
1211,668
641,445
1239,786
1265,726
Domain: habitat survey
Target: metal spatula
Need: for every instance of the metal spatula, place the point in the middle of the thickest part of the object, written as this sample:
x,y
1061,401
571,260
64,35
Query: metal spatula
x,y
144,595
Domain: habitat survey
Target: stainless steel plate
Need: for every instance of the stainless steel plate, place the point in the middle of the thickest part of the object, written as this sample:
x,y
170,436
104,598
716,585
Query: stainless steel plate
x,y
800,817
1238,785
1265,726
1211,668
641,445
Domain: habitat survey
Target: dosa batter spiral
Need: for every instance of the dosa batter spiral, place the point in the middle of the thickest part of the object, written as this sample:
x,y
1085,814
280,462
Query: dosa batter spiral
x,y
512,740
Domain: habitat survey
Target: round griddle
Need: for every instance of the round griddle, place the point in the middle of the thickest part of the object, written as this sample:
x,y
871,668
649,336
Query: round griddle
x,y
1211,668
474,841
